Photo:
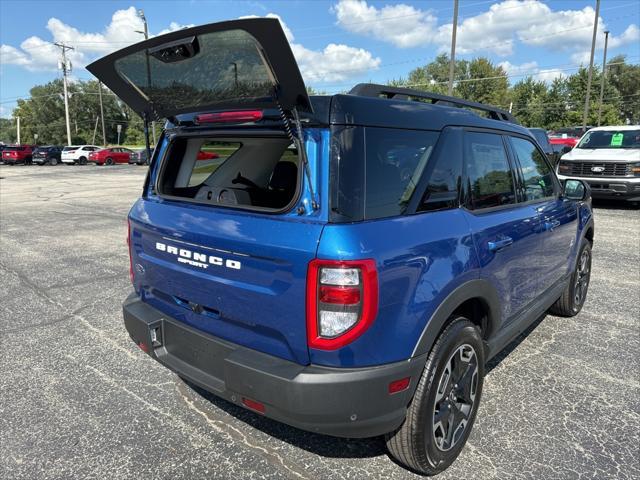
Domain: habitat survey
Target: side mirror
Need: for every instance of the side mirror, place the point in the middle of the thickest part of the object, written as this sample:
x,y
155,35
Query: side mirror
x,y
576,190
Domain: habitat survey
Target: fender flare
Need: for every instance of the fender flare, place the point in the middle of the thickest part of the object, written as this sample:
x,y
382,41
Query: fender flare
x,y
479,289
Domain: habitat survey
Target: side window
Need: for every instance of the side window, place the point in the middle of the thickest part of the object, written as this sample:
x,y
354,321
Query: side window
x,y
489,175
536,174
444,179
395,160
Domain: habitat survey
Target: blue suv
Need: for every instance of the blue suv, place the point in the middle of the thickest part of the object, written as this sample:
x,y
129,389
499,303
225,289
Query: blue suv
x,y
344,264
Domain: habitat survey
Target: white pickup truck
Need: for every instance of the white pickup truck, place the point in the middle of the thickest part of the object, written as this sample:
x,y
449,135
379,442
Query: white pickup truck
x,y
608,159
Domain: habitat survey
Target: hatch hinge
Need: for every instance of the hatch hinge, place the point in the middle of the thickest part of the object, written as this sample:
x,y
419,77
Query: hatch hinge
x,y
305,160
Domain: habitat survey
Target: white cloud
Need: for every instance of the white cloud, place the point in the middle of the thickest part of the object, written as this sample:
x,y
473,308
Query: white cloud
x,y
336,62
402,25
517,72
497,30
173,26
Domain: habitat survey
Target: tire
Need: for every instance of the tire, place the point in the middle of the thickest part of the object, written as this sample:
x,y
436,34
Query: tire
x,y
572,299
53,161
421,443
109,161
82,160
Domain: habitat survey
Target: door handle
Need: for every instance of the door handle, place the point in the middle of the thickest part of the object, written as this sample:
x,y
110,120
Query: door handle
x,y
500,244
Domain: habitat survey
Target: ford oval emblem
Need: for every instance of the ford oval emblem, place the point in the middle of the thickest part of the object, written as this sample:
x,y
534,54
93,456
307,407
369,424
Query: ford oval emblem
x,y
597,169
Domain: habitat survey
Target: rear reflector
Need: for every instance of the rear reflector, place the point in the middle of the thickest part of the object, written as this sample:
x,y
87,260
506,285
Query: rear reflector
x,y
399,385
230,117
143,347
253,405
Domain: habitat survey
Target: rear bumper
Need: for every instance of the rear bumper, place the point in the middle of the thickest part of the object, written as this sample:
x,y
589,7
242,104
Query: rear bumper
x,y
622,188
352,402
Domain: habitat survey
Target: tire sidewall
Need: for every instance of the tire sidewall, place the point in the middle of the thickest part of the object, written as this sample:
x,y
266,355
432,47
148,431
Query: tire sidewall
x,y
460,332
576,308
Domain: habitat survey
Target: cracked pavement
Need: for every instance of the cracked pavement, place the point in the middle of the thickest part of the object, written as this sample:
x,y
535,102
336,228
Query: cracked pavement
x,y
79,400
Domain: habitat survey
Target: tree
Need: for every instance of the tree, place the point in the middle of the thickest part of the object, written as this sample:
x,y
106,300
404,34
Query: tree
x,y
625,79
529,97
8,131
43,113
576,92
476,80
484,82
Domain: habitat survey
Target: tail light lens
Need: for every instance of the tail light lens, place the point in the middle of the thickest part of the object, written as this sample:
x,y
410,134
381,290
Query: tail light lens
x,y
130,245
342,301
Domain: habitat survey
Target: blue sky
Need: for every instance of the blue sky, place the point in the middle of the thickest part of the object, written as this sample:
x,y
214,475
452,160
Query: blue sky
x,y
337,43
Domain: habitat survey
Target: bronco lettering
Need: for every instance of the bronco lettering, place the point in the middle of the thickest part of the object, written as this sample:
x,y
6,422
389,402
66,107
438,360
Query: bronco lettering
x,y
197,259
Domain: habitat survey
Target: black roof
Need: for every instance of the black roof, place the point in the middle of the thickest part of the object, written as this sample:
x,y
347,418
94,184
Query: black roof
x,y
382,106
347,109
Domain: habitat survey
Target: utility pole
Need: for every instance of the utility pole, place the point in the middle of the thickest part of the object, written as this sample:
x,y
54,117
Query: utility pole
x,y
65,70
452,60
18,129
146,37
604,73
593,48
104,132
95,129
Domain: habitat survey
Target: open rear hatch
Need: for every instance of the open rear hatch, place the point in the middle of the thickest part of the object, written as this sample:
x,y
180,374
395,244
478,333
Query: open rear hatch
x,y
238,275
238,64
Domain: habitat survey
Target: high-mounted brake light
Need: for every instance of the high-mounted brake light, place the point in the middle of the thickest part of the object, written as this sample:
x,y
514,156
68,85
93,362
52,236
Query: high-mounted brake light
x,y
230,117
342,301
130,245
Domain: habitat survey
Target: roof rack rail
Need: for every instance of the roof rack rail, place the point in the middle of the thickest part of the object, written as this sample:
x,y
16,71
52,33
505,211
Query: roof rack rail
x,y
398,93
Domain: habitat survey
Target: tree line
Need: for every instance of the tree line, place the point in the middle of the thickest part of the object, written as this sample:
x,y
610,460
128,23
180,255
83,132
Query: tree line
x,y
534,103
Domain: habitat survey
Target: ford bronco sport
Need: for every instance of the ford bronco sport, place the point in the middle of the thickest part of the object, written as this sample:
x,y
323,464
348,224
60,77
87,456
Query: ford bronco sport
x,y
344,264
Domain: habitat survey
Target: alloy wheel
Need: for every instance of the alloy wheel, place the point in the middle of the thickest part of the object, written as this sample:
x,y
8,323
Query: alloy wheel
x,y
583,274
455,397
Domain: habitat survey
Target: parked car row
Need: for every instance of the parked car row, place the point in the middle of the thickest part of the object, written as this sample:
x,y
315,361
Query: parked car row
x,y
71,155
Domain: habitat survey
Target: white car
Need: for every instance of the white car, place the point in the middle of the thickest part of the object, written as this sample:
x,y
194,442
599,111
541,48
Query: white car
x,y
77,153
608,159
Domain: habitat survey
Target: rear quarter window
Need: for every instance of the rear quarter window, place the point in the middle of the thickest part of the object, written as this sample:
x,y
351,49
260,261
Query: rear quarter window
x,y
376,170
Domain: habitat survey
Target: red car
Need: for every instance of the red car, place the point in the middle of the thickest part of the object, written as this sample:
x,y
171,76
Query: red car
x,y
17,154
564,144
110,156
206,155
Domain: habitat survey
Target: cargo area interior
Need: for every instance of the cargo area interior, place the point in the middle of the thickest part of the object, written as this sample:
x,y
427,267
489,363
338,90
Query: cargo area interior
x,y
249,172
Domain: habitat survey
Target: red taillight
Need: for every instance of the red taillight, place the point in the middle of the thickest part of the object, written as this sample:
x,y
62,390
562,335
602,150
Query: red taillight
x,y
342,301
399,385
253,405
235,116
130,245
339,295
143,347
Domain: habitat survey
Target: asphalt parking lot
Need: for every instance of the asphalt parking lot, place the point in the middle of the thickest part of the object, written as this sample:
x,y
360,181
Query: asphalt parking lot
x,y
79,400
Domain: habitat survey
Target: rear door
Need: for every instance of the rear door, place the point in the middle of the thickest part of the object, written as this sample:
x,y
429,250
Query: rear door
x,y
219,66
505,231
